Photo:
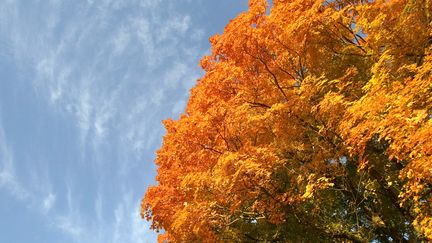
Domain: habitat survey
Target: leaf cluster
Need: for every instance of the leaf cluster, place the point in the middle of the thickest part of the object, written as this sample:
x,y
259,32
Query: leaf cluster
x,y
313,122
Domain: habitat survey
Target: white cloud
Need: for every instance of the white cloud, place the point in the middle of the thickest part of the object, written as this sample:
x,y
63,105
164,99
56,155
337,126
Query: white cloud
x,y
121,40
178,25
197,34
112,74
99,208
30,194
78,68
70,221
104,113
178,107
69,226
173,77
122,225
129,227
8,179
84,111
139,228
182,24
48,202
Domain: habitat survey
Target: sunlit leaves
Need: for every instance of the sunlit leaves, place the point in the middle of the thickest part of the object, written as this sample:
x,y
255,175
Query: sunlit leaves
x,y
312,122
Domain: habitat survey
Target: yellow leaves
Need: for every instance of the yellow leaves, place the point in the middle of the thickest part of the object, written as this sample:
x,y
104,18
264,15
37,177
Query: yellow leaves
x,y
378,21
228,163
331,108
180,220
417,117
309,191
316,184
410,174
426,227
381,72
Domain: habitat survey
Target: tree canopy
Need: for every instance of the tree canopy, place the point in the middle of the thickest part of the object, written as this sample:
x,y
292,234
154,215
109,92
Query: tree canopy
x,y
313,122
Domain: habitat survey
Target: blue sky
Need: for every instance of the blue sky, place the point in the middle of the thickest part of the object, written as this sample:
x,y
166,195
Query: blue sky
x,y
84,87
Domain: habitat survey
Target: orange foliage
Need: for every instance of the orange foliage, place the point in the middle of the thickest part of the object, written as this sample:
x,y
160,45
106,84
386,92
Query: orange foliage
x,y
312,120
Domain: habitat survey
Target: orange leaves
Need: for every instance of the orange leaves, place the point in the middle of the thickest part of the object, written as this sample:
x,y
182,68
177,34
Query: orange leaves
x,y
310,123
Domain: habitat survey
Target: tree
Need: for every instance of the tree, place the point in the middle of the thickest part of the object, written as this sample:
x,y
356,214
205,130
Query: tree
x,y
313,122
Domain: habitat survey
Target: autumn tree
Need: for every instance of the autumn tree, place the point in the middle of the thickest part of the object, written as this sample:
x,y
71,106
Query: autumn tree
x,y
313,122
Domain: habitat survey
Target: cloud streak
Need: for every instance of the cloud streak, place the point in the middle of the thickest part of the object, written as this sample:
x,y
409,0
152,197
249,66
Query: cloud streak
x,y
48,202
114,70
8,179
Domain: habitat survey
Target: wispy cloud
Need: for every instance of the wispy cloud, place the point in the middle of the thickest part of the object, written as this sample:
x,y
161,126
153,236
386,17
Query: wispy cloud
x,y
116,68
70,221
152,43
128,225
39,189
69,226
8,179
125,225
48,202
120,40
